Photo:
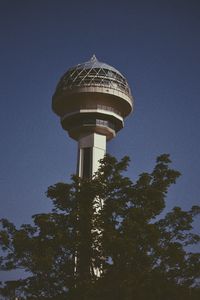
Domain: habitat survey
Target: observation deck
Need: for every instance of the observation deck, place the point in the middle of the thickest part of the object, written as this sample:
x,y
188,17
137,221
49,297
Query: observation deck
x,y
92,97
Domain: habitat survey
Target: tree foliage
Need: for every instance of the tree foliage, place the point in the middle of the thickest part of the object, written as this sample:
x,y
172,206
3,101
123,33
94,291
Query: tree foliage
x,y
111,224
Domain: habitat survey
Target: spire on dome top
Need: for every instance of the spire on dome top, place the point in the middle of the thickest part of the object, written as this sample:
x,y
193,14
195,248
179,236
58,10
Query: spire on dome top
x,y
93,58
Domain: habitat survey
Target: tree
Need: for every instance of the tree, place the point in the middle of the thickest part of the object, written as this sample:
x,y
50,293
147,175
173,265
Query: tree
x,y
141,254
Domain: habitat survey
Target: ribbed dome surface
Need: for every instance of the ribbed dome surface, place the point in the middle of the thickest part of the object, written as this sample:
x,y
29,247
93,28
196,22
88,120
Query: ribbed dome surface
x,y
93,73
94,63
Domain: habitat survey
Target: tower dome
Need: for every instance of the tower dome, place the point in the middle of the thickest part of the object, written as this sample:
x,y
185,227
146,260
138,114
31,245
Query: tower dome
x,y
92,96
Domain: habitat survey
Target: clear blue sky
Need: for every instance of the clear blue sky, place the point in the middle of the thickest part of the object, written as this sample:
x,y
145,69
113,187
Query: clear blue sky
x,y
155,44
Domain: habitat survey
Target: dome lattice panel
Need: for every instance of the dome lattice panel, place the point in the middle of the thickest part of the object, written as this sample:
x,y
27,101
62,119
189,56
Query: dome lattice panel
x,y
93,73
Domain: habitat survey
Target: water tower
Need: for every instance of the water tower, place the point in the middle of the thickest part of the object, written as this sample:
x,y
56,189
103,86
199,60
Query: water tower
x,y
92,99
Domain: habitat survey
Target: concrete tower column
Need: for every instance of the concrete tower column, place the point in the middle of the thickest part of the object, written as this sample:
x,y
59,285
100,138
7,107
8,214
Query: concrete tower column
x,y
91,149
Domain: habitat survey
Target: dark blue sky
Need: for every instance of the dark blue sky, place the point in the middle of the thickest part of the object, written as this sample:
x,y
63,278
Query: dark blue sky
x,y
155,44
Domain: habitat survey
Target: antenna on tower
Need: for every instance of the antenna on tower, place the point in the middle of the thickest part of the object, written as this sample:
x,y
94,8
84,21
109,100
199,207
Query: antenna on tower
x,y
93,58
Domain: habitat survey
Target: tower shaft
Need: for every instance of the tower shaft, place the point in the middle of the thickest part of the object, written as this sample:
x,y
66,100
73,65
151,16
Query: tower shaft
x,y
91,149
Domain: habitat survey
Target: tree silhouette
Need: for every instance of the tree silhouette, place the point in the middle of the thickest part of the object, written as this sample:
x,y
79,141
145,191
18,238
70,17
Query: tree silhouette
x,y
107,223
